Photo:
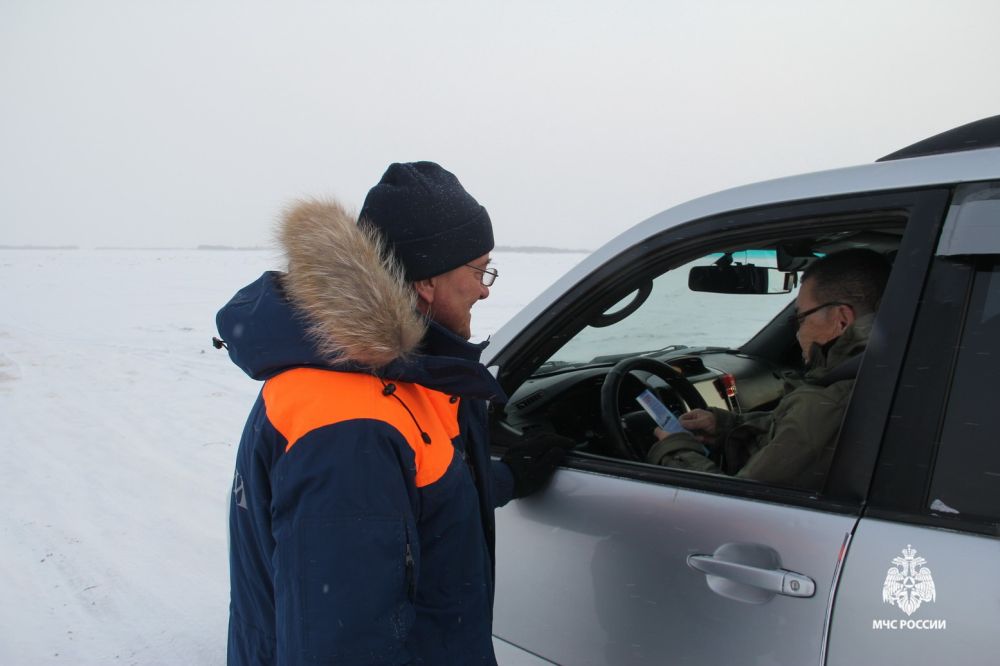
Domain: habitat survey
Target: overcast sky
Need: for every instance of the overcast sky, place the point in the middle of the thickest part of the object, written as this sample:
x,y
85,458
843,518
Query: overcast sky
x,y
180,123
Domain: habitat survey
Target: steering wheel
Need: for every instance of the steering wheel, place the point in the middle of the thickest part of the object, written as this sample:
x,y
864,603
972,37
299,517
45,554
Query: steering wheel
x,y
611,414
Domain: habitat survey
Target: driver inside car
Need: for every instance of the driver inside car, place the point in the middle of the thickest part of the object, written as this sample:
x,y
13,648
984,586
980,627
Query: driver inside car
x,y
793,444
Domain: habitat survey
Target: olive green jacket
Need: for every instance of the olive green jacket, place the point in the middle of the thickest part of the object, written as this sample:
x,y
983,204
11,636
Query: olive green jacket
x,y
792,445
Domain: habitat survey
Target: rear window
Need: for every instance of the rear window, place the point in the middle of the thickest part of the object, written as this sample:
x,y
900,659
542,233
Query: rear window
x,y
967,470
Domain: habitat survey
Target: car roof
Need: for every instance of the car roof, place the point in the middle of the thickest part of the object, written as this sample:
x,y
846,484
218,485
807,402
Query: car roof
x,y
896,174
983,133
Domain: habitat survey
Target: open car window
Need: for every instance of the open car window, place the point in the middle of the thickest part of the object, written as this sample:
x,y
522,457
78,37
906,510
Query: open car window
x,y
707,329
674,316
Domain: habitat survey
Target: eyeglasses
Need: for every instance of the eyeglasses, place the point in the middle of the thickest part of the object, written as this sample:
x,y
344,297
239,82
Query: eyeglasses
x,y
487,276
799,317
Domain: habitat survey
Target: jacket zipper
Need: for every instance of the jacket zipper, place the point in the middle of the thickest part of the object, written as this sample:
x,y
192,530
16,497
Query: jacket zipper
x,y
410,587
468,463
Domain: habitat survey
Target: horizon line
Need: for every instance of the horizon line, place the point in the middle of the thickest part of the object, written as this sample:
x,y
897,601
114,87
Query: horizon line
x,y
261,248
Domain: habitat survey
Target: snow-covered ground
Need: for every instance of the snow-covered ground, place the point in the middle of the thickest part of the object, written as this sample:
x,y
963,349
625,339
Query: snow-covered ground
x,y
119,425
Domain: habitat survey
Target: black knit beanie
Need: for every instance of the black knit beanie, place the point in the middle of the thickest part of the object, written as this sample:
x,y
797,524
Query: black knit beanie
x,y
428,220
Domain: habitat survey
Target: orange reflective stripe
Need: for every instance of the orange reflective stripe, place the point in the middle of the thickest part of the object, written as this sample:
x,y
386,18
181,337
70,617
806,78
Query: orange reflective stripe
x,y
301,400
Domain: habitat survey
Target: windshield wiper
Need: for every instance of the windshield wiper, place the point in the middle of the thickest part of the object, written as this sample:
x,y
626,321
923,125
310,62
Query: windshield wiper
x,y
551,366
668,348
607,359
614,358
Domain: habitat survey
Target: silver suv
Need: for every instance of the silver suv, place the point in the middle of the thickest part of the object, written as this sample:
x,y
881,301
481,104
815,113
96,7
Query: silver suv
x,y
887,560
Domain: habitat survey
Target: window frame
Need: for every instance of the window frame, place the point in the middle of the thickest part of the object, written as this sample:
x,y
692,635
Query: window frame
x,y
847,485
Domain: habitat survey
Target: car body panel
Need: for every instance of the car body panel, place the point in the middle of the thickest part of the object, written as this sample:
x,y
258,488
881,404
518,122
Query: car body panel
x,y
511,655
957,627
612,558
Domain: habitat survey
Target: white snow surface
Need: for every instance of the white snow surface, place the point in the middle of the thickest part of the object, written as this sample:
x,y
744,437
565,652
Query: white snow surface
x,y
121,423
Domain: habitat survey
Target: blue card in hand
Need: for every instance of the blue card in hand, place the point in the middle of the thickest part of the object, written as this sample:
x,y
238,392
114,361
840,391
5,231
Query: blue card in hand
x,y
663,417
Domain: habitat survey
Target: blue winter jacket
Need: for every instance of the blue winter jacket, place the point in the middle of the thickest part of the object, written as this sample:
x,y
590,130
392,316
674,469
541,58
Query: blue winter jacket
x,y
361,521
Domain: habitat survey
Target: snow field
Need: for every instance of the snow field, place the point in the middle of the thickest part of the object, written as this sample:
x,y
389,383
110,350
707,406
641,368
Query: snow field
x,y
121,425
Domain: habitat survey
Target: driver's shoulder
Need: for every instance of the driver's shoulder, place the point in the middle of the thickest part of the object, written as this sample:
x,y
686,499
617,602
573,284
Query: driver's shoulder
x,y
815,398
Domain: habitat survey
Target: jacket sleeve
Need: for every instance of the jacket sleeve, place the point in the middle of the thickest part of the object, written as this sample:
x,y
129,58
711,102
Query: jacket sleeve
x,y
790,441
346,556
683,451
503,483
804,426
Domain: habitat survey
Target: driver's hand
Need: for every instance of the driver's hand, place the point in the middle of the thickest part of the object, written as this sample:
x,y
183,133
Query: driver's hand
x,y
700,422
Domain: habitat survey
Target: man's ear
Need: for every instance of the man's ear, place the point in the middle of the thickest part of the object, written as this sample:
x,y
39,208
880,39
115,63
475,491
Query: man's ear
x,y
845,316
425,291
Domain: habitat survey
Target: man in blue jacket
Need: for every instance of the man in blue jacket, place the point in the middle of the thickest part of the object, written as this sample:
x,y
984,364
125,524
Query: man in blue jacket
x,y
361,521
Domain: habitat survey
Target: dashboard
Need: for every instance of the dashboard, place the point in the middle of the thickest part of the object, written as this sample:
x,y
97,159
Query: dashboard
x,y
568,400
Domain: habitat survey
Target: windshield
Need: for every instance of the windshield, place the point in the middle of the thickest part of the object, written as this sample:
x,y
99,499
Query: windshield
x,y
675,315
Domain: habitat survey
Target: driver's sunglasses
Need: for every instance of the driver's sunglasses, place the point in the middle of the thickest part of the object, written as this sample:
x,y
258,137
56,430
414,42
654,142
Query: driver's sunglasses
x,y
799,317
487,276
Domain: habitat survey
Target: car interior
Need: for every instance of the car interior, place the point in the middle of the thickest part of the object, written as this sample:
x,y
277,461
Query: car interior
x,y
712,327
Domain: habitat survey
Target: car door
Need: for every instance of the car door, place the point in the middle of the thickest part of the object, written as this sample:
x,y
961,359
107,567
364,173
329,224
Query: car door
x,y
918,585
622,562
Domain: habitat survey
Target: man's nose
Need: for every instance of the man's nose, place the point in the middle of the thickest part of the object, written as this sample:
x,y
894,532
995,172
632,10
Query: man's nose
x,y
484,291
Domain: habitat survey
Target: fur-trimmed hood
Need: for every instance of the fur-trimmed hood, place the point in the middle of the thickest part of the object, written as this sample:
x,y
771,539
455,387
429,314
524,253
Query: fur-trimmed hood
x,y
350,290
343,306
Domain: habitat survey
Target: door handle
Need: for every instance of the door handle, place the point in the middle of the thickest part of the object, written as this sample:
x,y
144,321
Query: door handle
x,y
750,573
778,581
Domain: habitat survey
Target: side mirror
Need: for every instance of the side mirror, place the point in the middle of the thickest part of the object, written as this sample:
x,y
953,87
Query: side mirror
x,y
741,279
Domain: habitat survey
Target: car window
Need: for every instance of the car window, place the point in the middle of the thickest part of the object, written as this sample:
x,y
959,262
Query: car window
x,y
673,314
966,476
633,330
